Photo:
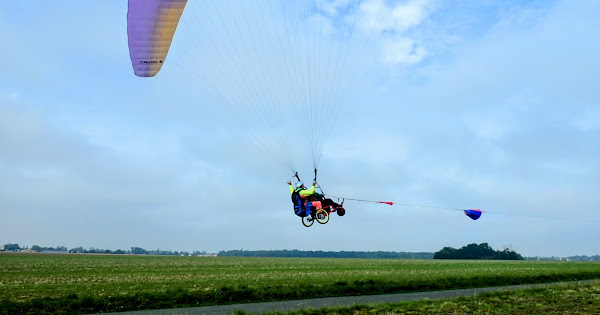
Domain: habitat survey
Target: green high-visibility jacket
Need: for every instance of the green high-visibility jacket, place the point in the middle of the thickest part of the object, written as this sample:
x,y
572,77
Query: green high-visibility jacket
x,y
305,192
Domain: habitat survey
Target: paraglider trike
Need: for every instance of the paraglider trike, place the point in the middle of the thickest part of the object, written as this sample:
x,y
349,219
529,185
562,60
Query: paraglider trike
x,y
320,210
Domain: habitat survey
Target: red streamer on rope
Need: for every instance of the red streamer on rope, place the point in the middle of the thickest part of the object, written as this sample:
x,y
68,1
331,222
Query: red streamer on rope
x,y
387,202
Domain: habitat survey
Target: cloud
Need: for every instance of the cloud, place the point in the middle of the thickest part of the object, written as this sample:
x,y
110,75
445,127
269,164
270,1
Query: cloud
x,y
393,22
335,7
403,50
393,17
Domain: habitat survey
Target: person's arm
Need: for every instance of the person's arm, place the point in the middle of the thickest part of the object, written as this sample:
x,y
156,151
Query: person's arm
x,y
308,192
291,187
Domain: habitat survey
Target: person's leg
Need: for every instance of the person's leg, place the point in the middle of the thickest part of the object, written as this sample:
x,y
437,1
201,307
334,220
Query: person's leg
x,y
317,205
307,207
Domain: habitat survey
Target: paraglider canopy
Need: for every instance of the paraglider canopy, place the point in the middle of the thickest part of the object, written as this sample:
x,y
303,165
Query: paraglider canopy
x,y
151,25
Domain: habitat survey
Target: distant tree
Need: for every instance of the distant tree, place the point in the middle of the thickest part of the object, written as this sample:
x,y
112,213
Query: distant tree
x,y
445,253
76,250
474,251
36,248
138,251
12,247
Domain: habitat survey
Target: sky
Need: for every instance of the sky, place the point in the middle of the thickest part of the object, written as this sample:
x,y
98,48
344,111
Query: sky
x,y
473,104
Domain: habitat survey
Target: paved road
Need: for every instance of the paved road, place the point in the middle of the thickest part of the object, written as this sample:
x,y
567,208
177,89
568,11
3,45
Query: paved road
x,y
285,306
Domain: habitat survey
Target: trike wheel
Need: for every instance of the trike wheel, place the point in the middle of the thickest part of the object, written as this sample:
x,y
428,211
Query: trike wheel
x,y
322,216
341,211
308,221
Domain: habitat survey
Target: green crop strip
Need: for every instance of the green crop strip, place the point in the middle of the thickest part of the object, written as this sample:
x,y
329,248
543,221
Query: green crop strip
x,y
576,299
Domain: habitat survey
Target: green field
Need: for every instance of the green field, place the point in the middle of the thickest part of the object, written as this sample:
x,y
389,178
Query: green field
x,y
89,283
573,299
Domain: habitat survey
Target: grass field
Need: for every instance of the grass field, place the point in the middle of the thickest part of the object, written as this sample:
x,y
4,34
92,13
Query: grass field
x,y
93,283
579,299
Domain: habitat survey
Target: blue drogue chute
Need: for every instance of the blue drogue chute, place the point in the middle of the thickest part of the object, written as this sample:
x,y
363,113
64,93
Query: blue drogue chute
x,y
473,213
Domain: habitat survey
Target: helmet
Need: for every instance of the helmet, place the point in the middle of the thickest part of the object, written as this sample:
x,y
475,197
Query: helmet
x,y
299,184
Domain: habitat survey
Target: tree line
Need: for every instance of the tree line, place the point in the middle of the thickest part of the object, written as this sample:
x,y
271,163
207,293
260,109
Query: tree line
x,y
474,251
568,258
471,251
323,254
92,250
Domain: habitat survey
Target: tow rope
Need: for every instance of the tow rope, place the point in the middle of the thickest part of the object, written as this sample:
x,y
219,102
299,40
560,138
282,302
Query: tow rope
x,y
391,203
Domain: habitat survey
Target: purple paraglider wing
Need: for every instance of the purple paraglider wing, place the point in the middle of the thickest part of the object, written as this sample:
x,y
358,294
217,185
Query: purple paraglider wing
x,y
473,213
151,25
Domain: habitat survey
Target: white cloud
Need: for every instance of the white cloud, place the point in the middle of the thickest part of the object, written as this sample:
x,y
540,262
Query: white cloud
x,y
392,23
334,7
396,17
403,50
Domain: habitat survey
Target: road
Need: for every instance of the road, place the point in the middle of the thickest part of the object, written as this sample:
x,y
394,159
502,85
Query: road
x,y
286,306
